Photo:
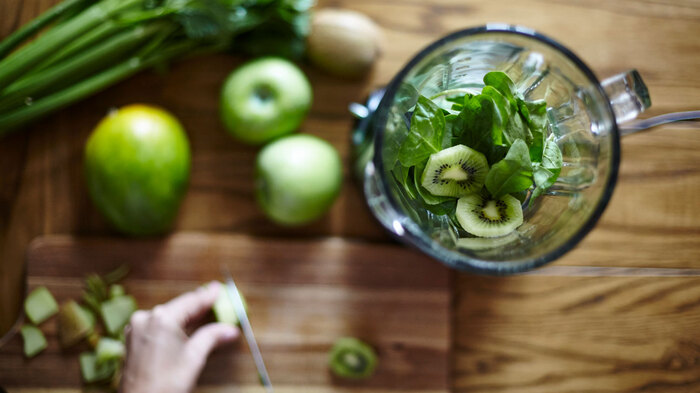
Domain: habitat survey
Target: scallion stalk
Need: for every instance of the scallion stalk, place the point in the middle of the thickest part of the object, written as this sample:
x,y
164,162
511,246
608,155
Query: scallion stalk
x,y
28,30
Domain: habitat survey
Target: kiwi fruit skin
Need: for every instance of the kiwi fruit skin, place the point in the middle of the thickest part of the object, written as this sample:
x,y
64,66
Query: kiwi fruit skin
x,y
455,171
488,217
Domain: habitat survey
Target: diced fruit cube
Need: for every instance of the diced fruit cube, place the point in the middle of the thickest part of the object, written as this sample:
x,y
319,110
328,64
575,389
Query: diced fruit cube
x,y
34,340
40,305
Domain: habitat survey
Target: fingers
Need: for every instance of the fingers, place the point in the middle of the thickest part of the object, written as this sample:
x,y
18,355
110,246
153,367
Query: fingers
x,y
192,305
206,338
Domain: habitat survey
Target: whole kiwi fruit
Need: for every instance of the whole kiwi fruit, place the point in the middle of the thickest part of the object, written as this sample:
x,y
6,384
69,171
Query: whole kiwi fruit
x,y
342,42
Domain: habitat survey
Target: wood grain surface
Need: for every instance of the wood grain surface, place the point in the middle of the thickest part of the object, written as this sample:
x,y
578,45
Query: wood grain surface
x,y
653,220
302,295
590,333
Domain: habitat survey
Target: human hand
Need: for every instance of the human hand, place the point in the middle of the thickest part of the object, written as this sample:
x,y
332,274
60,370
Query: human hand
x,y
160,356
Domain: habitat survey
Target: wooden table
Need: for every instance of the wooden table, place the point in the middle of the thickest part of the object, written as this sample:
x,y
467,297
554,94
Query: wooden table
x,y
620,313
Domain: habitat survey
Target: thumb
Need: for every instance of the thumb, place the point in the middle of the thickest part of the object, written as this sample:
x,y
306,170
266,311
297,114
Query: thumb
x,y
206,338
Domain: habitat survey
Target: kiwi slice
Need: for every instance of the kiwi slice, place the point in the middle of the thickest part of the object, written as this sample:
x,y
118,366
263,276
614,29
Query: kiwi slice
x,y
484,216
351,358
455,171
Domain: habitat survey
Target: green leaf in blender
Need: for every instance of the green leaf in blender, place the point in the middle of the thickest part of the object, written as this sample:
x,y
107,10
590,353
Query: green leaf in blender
x,y
513,126
513,173
481,129
503,84
425,135
40,305
546,173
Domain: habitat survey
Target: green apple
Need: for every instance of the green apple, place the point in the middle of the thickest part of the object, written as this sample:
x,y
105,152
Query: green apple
x,y
264,99
298,178
137,165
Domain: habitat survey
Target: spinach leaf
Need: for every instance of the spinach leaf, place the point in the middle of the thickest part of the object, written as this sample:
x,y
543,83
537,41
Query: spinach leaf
x,y
513,126
535,112
481,129
544,179
535,115
395,134
548,171
454,127
401,175
503,84
425,135
502,107
406,97
513,173
551,157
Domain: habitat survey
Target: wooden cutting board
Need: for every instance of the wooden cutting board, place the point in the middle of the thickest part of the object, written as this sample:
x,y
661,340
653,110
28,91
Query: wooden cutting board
x,y
302,296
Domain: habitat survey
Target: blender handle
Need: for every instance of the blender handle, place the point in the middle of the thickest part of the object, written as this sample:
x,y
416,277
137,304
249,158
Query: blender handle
x,y
645,124
629,97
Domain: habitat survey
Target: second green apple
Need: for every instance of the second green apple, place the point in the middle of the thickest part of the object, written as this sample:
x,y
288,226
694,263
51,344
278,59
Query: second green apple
x,y
265,99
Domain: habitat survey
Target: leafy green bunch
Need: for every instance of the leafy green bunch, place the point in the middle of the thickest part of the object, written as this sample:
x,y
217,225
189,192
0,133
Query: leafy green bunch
x,y
88,45
499,123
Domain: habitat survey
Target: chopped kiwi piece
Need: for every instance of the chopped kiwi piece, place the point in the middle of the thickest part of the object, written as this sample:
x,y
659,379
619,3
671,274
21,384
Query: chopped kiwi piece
x,y
109,349
93,339
116,290
74,323
455,171
116,313
223,307
34,340
92,371
483,243
352,358
40,305
488,217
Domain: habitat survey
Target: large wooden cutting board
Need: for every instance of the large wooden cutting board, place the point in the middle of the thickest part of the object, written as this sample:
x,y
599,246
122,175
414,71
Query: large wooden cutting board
x,y
302,296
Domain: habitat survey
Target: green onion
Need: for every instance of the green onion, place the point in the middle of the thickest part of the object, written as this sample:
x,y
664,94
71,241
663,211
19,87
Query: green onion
x,y
94,44
37,24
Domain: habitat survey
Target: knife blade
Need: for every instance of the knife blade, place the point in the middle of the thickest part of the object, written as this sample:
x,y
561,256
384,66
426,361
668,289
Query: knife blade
x,y
235,297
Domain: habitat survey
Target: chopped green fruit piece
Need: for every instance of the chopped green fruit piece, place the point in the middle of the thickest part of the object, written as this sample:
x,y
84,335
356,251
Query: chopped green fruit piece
x,y
93,339
40,305
352,358
34,340
116,290
223,307
116,313
109,349
74,323
92,371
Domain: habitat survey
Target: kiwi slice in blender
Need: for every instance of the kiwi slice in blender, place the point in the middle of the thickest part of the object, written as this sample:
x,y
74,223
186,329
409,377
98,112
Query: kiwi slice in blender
x,y
455,171
351,358
485,216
